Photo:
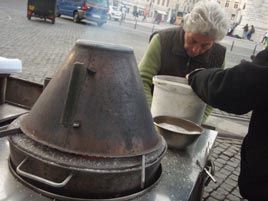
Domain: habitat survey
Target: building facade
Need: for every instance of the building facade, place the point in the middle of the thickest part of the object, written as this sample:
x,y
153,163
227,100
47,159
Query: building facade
x,y
241,12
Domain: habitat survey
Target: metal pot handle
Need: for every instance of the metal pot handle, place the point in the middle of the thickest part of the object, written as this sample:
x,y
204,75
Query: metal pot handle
x,y
11,131
209,174
75,86
142,171
210,165
40,179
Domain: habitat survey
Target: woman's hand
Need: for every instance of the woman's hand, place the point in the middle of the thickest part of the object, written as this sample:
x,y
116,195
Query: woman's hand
x,y
186,76
198,69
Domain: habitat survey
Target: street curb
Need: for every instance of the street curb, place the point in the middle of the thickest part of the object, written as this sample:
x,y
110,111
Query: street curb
x,y
230,136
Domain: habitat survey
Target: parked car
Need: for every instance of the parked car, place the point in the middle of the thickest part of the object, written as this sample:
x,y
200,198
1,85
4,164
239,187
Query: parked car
x,y
91,10
114,13
41,9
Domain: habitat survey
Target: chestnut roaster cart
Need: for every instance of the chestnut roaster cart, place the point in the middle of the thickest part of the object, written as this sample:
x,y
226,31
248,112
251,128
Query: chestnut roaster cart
x,y
88,134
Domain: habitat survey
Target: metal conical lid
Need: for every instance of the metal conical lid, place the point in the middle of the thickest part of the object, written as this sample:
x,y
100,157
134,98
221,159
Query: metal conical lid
x,y
94,105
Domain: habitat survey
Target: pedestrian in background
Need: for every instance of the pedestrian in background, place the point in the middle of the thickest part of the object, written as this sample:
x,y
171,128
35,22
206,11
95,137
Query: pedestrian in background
x,y
158,18
177,51
245,31
135,12
146,12
124,12
264,37
231,29
239,90
250,32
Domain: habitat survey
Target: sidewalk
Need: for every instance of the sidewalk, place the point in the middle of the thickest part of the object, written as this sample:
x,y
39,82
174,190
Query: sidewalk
x,y
148,22
226,158
229,125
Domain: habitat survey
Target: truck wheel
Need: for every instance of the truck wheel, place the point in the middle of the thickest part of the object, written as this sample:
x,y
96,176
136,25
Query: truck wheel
x,y
29,17
76,17
53,21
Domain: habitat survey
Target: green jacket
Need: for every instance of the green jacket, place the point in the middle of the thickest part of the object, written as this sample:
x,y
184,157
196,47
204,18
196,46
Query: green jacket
x,y
150,66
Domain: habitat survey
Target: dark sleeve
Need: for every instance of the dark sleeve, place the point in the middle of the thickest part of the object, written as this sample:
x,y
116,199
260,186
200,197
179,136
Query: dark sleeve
x,y
238,90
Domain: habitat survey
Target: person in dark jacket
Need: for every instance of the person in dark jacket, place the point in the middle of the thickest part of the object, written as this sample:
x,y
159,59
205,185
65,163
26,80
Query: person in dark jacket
x,y
250,32
245,31
239,90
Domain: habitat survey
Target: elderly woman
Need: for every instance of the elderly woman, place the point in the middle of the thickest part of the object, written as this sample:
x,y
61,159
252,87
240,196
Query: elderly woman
x,y
178,51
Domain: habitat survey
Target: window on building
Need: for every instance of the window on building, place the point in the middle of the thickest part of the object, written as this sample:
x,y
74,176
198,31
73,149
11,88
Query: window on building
x,y
236,5
167,3
232,16
158,2
163,2
227,4
244,6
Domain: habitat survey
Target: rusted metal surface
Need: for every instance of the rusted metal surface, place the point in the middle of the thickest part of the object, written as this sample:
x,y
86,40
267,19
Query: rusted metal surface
x,y
3,85
22,93
10,112
111,117
9,132
95,178
16,97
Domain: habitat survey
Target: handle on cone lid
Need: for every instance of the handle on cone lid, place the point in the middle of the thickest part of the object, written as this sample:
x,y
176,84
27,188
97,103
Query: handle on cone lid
x,y
75,86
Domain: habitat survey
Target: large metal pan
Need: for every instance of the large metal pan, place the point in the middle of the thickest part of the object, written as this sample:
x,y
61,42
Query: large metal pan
x,y
74,176
179,133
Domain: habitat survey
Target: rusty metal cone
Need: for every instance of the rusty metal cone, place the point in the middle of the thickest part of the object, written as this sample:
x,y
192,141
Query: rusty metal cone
x,y
95,105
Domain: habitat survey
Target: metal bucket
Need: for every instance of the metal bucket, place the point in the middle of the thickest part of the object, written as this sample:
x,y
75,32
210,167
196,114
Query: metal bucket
x,y
173,97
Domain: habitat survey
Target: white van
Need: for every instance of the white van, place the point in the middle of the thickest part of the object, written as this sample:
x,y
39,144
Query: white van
x,y
114,13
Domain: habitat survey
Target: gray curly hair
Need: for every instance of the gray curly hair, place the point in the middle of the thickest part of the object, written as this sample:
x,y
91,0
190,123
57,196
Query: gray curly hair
x,y
208,19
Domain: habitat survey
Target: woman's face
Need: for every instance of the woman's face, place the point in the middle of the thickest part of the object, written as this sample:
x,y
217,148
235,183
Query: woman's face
x,y
196,44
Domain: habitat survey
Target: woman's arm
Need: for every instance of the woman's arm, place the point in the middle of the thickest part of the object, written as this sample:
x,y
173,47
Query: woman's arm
x,y
150,66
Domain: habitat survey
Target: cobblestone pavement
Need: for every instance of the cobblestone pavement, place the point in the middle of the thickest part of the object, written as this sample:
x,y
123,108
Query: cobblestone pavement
x,y
43,47
226,157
